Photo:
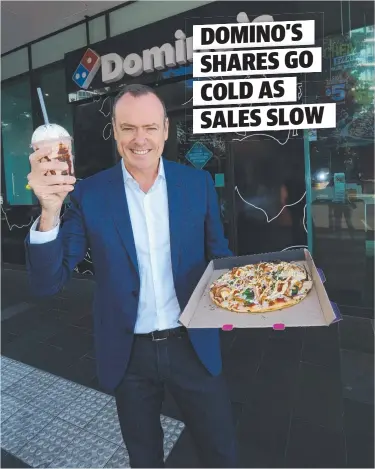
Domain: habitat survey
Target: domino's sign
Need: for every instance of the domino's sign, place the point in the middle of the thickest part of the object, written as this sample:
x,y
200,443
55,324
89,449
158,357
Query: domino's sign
x,y
114,66
87,69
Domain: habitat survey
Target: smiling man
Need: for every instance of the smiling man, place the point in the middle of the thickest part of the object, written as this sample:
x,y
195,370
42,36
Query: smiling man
x,y
140,141
151,225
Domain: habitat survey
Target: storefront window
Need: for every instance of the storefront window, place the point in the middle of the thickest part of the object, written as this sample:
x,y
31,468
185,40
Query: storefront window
x,y
14,64
54,48
176,95
142,13
97,30
52,83
342,171
16,129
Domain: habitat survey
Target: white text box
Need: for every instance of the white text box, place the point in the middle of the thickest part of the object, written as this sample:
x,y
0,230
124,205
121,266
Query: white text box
x,y
254,119
245,35
259,62
220,88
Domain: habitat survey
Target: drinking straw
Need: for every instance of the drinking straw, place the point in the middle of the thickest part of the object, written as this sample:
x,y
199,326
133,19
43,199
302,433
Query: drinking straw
x,y
43,106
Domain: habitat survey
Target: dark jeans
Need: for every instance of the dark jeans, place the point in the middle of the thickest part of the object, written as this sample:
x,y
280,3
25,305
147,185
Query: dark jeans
x,y
202,398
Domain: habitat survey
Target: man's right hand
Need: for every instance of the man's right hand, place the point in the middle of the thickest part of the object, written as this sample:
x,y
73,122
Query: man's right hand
x,y
50,190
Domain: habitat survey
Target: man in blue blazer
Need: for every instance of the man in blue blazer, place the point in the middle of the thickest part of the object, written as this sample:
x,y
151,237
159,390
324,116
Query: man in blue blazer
x,y
151,226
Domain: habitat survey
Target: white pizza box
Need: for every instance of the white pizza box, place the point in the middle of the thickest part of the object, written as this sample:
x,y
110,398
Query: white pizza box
x,y
315,310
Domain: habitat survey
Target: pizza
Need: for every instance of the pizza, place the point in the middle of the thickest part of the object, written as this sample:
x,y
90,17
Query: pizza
x,y
261,287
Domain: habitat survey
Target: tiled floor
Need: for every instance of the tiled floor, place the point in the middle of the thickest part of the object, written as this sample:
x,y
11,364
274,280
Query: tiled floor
x,y
300,397
48,421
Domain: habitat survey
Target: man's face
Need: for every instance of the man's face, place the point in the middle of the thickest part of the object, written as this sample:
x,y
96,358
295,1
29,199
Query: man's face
x,y
140,130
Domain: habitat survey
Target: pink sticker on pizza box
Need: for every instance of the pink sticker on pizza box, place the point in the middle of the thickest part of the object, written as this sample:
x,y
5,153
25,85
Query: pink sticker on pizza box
x,y
279,327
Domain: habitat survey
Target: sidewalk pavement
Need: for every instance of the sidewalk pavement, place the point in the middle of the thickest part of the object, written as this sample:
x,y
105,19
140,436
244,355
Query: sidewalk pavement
x,y
302,397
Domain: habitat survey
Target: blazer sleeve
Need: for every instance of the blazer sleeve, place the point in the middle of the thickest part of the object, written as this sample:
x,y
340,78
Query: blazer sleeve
x,y
50,265
216,243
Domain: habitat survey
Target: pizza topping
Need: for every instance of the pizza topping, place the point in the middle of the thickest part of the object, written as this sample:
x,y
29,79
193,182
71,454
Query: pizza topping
x,y
248,294
239,299
221,292
254,288
263,295
237,272
257,294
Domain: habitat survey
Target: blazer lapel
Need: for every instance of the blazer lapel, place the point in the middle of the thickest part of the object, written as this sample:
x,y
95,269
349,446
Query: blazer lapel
x,y
118,206
175,203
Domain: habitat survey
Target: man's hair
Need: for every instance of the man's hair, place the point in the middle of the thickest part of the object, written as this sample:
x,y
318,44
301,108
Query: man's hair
x,y
136,90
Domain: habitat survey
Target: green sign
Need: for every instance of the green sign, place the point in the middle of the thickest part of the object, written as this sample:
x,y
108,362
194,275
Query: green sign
x,y
199,155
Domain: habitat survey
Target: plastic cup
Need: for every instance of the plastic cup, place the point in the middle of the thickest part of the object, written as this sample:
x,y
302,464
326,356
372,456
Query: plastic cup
x,y
57,140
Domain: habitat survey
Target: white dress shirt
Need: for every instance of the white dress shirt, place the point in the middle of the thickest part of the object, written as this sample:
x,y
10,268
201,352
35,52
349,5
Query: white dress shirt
x,y
158,307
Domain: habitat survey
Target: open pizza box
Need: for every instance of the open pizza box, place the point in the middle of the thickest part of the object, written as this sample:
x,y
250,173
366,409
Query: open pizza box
x,y
315,310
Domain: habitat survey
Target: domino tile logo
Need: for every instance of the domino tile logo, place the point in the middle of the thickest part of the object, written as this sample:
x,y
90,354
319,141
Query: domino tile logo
x,y
87,69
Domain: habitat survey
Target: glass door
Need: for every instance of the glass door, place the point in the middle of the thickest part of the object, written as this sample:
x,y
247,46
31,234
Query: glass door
x,y
269,192
342,170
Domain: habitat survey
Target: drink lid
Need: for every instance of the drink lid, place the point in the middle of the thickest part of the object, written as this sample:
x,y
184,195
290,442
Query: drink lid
x,y
49,132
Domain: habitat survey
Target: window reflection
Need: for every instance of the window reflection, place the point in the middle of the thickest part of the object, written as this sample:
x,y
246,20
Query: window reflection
x,y
16,130
52,83
342,170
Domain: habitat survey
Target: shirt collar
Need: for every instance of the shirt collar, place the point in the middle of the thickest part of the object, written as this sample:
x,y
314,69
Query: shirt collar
x,y
128,176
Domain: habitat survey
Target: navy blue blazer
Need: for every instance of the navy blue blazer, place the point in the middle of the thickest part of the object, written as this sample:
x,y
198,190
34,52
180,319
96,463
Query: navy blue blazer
x,y
98,218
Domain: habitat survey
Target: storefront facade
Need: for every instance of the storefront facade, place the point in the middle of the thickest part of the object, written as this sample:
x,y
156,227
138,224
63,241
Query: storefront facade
x,y
276,190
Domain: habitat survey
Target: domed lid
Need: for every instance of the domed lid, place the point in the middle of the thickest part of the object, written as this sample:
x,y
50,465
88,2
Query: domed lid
x,y
48,132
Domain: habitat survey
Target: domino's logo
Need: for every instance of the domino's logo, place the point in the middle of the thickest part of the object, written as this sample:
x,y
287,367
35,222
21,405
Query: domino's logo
x,y
87,69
